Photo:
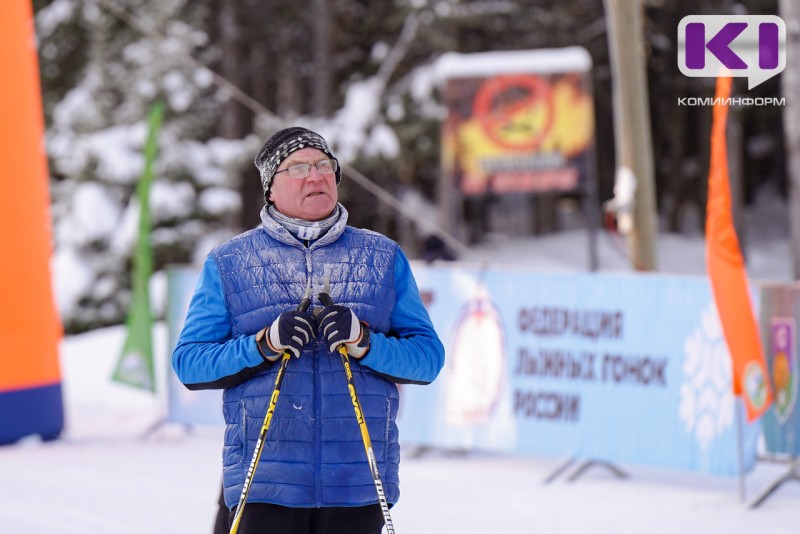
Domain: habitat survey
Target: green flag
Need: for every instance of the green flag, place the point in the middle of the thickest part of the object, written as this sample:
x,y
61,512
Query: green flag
x,y
135,365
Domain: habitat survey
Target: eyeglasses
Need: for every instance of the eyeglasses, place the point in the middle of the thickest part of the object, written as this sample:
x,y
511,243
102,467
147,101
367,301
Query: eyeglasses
x,y
302,170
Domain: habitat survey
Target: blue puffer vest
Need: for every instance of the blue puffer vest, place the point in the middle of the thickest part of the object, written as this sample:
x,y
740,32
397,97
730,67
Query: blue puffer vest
x,y
314,455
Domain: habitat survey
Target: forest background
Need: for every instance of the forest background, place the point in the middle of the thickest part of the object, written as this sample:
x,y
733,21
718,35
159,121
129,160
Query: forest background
x,y
231,72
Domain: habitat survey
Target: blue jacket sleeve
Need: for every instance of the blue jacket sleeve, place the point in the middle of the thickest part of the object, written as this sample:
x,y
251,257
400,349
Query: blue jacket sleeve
x,y
206,355
411,351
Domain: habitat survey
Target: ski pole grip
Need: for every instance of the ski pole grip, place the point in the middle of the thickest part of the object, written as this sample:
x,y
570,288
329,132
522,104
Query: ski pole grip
x,y
304,304
306,300
325,299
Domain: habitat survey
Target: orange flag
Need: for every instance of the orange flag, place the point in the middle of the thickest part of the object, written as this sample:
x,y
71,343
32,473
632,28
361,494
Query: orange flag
x,y
727,272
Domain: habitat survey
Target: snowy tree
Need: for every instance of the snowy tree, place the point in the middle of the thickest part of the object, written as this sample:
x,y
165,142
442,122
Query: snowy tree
x,y
95,136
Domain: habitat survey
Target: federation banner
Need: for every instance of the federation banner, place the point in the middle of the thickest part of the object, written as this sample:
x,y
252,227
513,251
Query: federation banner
x,y
621,368
627,368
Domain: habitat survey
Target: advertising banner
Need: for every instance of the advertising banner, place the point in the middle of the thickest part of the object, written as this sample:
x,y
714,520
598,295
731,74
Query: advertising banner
x,y
780,308
627,368
517,122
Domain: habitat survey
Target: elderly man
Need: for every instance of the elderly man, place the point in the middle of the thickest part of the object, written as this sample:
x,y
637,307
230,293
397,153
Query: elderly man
x,y
313,476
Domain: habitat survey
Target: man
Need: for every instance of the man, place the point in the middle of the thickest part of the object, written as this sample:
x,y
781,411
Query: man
x,y
313,475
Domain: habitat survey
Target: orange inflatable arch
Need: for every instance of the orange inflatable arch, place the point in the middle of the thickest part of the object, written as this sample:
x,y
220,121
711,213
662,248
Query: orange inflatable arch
x,y
30,378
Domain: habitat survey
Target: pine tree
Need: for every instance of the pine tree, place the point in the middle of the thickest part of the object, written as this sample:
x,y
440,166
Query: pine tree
x,y
95,138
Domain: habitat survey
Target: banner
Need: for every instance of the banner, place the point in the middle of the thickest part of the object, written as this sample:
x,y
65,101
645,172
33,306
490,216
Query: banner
x,y
30,378
727,272
780,310
518,122
135,365
621,368
203,407
627,368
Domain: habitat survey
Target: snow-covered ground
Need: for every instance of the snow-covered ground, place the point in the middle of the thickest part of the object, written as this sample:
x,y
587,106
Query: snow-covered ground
x,y
109,474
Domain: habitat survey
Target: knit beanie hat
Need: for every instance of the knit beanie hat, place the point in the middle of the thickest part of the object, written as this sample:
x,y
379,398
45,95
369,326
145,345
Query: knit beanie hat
x,y
280,145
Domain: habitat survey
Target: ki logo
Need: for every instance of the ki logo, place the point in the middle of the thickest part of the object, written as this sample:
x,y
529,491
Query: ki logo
x,y
748,46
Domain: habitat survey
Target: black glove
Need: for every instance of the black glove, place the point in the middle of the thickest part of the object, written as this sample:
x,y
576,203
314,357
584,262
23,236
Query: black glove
x,y
339,325
291,331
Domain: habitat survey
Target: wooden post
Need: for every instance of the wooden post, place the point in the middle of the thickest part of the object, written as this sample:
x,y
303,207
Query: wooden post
x,y
632,124
790,12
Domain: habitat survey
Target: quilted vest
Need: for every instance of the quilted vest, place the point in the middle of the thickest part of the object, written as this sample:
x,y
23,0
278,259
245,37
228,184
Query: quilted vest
x,y
313,455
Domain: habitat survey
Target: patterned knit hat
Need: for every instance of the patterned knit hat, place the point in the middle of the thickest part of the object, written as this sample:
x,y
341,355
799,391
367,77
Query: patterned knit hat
x,y
280,145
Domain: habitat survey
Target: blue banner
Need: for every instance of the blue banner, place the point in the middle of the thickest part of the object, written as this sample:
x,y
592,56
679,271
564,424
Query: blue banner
x,y
621,368
183,406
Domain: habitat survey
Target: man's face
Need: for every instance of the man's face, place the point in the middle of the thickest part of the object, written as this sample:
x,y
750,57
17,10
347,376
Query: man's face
x,y
311,198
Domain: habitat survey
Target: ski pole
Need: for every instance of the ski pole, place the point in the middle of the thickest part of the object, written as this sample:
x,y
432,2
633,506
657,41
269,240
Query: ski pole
x,y
326,299
273,401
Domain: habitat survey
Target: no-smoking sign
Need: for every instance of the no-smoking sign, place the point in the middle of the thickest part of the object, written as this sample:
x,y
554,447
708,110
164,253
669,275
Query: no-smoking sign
x,y
515,111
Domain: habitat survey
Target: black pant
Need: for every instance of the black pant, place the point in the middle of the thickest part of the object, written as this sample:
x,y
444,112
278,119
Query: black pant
x,y
259,518
221,525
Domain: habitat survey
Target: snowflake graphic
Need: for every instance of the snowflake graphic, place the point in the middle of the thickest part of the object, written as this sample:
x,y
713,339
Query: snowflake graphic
x,y
707,403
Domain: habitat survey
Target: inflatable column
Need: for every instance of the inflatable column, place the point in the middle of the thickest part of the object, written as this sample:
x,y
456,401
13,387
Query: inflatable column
x,y
30,378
